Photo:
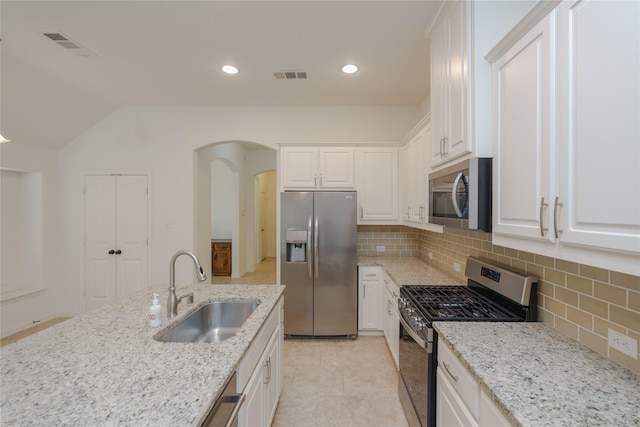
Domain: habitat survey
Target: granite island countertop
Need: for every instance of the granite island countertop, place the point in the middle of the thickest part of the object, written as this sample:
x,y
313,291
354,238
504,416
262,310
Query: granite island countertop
x,y
539,377
105,368
410,271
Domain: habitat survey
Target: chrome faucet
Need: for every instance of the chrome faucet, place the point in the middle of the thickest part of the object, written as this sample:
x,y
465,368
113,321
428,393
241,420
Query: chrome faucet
x,y
173,301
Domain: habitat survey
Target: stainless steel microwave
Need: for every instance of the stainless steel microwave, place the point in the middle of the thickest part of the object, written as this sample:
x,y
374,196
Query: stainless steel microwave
x,y
460,195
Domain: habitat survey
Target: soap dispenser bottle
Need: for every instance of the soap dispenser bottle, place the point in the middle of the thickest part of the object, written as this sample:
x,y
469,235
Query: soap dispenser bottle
x,y
155,318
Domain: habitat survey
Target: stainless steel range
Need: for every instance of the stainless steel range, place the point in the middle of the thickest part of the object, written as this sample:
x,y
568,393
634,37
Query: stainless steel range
x,y
492,294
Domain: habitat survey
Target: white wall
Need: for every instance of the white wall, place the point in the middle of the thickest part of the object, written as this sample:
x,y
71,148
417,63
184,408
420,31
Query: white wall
x,y
221,200
163,140
19,313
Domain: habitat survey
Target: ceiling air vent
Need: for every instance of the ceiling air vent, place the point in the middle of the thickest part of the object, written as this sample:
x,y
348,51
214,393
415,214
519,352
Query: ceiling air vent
x,y
290,75
69,44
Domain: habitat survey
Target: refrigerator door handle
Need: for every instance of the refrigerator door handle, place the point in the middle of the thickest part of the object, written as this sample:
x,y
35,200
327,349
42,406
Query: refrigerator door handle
x,y
315,245
309,248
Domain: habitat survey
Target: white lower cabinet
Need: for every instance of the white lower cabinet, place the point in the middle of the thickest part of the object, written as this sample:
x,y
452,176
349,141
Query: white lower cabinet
x,y
391,317
369,301
459,398
260,374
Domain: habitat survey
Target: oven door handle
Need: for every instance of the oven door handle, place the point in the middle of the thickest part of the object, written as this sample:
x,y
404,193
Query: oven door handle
x,y
454,192
422,343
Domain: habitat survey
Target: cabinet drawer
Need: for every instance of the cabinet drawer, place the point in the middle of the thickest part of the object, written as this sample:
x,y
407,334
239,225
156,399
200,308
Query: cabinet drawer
x,y
460,378
369,273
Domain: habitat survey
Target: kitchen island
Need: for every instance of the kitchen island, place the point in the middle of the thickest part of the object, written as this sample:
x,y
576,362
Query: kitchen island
x,y
105,368
538,377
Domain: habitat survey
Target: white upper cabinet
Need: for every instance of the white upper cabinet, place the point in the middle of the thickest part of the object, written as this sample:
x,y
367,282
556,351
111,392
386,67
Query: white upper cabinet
x,y
524,148
567,151
313,168
599,123
449,88
377,185
414,179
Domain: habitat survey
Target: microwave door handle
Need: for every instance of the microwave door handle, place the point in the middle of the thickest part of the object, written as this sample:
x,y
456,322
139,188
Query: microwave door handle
x,y
453,195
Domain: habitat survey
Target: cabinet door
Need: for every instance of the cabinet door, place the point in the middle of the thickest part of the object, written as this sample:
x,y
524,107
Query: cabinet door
x,y
252,411
450,411
458,69
336,168
369,294
272,377
490,414
406,182
299,167
437,94
524,143
377,184
418,177
599,110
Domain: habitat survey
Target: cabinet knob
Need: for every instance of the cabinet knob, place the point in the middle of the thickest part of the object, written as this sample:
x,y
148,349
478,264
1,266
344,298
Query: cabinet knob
x,y
111,252
118,252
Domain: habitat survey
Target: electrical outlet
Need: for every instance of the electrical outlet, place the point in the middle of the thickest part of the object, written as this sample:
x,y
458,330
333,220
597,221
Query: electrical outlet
x,y
623,343
430,255
456,266
380,248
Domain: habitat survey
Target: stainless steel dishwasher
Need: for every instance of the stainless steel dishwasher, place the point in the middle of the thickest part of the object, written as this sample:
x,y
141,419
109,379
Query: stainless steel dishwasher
x,y
225,411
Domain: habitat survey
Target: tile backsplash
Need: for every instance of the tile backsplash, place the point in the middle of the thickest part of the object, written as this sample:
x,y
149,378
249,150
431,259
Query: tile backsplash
x,y
578,300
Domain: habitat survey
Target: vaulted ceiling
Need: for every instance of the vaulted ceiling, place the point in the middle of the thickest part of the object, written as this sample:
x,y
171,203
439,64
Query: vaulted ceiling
x,y
169,53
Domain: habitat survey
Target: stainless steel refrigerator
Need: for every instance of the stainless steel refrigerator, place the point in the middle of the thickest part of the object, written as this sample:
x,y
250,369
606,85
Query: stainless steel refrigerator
x,y
318,264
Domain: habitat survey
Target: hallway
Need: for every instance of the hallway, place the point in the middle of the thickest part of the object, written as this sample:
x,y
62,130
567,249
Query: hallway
x,y
265,274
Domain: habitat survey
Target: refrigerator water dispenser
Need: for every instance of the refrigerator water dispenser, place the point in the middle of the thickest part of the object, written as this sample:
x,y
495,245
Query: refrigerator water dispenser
x,y
296,245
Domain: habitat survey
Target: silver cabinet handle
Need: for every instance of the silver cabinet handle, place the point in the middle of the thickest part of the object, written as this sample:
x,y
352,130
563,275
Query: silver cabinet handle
x,y
442,148
315,179
320,180
446,368
445,152
542,206
364,292
361,212
556,206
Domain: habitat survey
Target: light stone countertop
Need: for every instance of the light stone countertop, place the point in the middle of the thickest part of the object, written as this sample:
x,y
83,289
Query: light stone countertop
x,y
542,378
105,368
410,271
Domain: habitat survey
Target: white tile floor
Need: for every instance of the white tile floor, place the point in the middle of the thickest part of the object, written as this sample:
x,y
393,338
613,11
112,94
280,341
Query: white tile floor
x,y
339,383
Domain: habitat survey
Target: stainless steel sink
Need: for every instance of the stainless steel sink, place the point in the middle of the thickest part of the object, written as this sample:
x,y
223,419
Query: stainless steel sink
x,y
213,322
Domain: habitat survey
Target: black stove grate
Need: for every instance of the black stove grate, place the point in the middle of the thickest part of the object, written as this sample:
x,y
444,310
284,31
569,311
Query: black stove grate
x,y
458,303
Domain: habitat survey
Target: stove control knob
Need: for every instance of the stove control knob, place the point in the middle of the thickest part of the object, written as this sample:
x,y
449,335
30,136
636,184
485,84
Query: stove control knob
x,y
420,325
411,311
403,302
415,320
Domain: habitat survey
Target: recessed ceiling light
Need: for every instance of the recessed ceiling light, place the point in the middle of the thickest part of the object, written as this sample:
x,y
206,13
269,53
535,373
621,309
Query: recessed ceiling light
x,y
230,69
349,68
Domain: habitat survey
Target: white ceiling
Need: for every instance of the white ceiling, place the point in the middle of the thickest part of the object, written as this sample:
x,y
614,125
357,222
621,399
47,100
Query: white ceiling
x,y
169,53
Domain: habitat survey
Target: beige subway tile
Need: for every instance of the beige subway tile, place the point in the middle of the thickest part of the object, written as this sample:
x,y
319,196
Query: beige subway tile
x,y
513,253
580,317
516,264
555,276
546,288
567,328
624,360
594,273
492,257
627,318
526,256
545,260
568,266
535,270
594,306
580,284
546,317
634,301
626,280
610,293
566,295
602,326
555,306
593,341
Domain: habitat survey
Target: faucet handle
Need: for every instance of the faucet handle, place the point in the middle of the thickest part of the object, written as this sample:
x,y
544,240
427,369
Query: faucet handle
x,y
189,298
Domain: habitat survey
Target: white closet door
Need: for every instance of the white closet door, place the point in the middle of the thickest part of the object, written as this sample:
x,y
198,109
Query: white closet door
x,y
116,245
131,234
100,238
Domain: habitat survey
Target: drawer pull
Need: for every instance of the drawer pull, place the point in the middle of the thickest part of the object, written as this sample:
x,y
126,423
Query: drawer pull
x,y
446,368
